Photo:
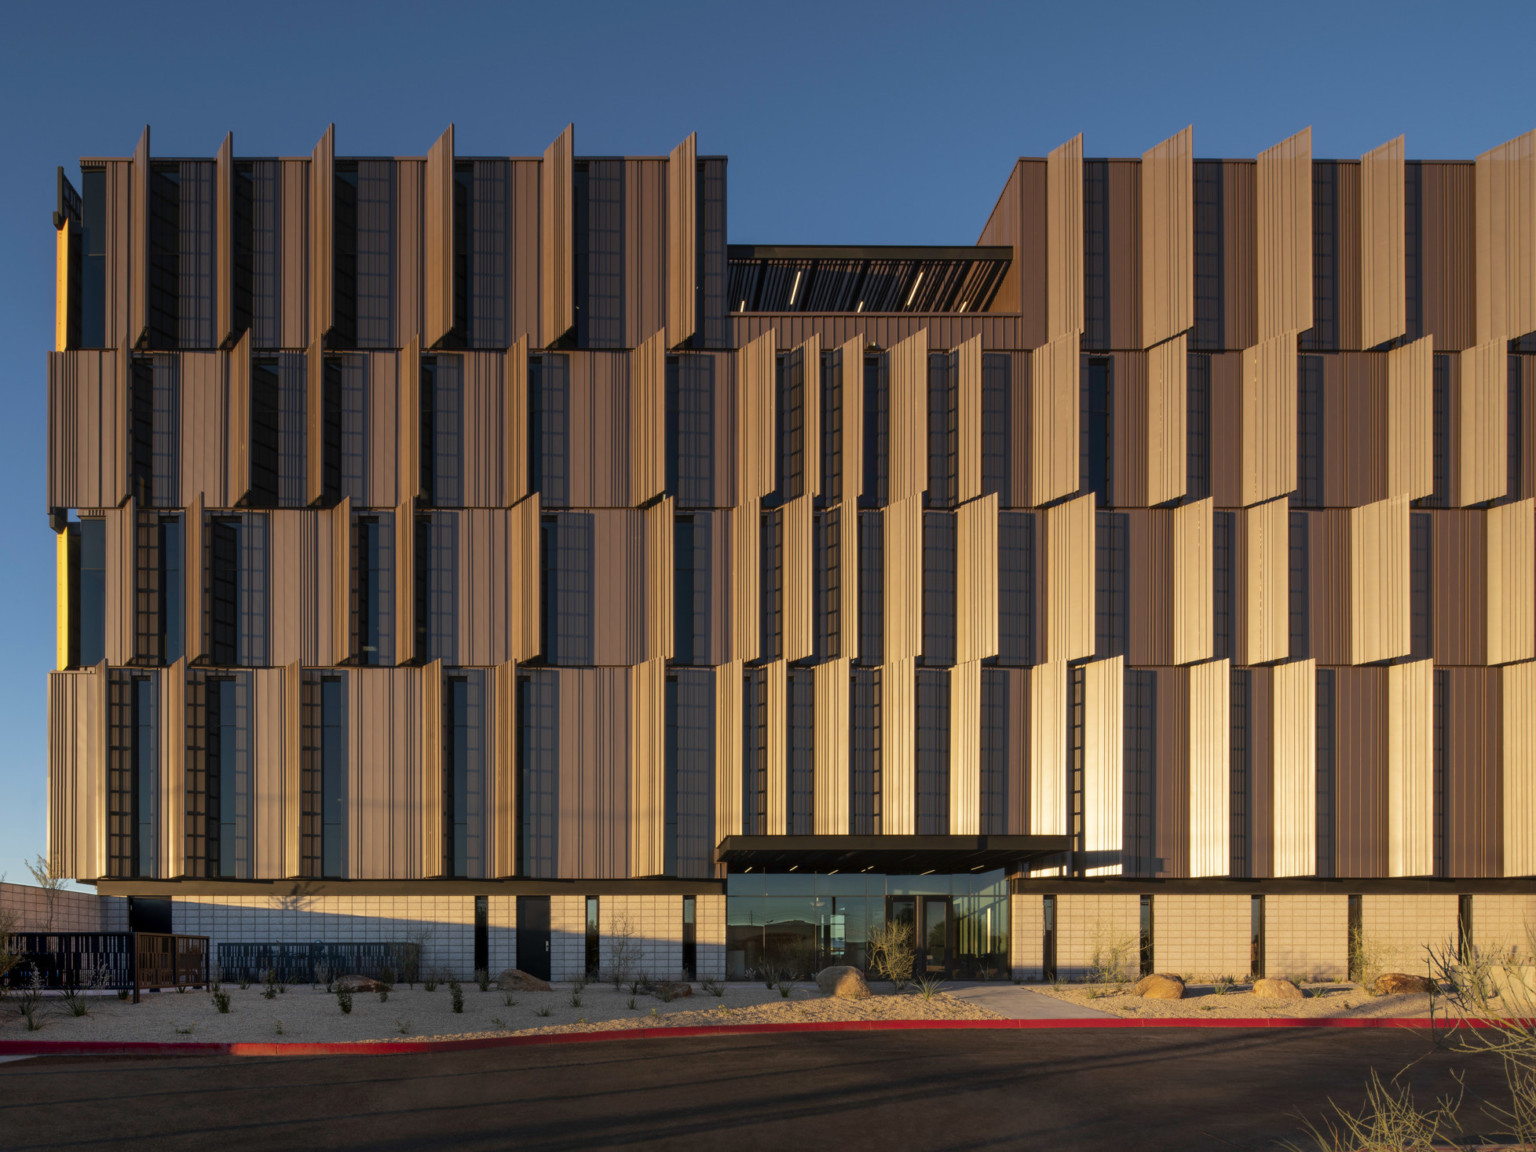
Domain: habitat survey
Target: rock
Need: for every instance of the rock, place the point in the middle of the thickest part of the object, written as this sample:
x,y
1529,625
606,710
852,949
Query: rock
x,y
516,980
843,981
667,990
360,984
1159,987
1396,983
1270,989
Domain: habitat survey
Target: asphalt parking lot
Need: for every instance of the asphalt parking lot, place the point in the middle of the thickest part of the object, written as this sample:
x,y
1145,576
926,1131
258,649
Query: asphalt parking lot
x,y
1113,1089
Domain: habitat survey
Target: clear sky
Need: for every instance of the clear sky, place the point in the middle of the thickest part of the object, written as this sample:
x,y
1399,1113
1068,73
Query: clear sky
x,y
874,123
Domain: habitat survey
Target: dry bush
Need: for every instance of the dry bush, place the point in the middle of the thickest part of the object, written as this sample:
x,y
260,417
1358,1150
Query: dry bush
x,y
892,952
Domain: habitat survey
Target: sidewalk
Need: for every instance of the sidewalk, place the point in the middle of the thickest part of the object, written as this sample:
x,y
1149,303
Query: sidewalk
x,y
1014,1002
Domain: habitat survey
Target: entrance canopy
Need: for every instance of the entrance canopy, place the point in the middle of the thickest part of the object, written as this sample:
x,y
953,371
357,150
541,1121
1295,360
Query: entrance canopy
x,y
892,854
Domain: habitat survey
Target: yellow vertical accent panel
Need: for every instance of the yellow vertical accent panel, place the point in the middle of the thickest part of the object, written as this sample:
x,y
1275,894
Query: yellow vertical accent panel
x,y
1506,240
682,238
830,740
1479,420
343,638
1263,582
1380,604
293,744
1167,388
648,419
647,768
1193,592
1047,750
224,241
314,424
659,605
1284,209
898,748
976,580
439,239
269,737
809,352
503,765
908,474
408,424
967,367
514,417
1210,769
756,429
1168,238
322,217
1054,405
1410,456
405,582
194,640
1064,238
775,750
77,771
728,736
1268,416
432,769
237,484
1511,626
173,770
1068,571
557,246
1518,786
1383,261
965,749
798,584
851,360
121,576
1293,768
903,614
64,238
1103,765
1410,769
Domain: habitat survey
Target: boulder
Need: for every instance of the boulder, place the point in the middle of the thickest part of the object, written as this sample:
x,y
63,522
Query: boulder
x,y
1396,983
1271,989
360,984
1159,987
516,980
668,990
843,981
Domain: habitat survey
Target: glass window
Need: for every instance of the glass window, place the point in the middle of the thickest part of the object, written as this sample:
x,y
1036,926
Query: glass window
x,y
1140,845
1300,579
1112,584
790,470
994,752
714,329
437,586
164,256
1096,272
871,588
754,758
691,429
1421,582
996,425
938,588
324,766
1241,862
442,431
1016,587
549,382
195,251
864,747
1210,237
828,591
93,591
1097,427
831,429
93,258
877,428
943,429
1224,584
464,775
690,774
376,257
1413,246
1325,768
1197,424
771,568
356,421
598,219
1311,433
488,244
227,778
568,588
133,774
538,768
1324,332
375,595
932,753
800,818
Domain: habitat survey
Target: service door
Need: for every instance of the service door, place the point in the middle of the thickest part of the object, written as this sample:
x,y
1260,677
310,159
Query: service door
x,y
533,935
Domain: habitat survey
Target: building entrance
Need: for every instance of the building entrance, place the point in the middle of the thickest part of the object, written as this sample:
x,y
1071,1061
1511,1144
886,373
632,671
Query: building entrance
x,y
533,935
931,919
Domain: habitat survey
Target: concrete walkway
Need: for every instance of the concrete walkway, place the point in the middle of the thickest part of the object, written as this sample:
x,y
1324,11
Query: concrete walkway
x,y
1013,1002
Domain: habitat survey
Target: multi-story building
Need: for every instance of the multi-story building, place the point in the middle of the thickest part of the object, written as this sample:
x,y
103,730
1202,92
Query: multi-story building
x,y
484,548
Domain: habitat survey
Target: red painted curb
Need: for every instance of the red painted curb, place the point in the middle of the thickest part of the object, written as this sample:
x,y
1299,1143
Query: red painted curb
x,y
403,1047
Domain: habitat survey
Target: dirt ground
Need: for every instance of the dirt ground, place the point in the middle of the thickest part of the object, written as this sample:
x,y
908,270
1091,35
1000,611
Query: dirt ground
x,y
1239,1002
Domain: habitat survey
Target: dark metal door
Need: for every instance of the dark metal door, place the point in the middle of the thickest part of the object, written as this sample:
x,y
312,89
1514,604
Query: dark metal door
x,y
533,935
935,947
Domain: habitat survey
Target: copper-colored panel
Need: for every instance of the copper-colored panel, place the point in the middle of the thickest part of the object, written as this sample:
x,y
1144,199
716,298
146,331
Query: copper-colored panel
x,y
1410,420
1191,582
237,484
775,751
1064,238
1262,578
1167,454
1051,435
293,743
1380,605
745,583
660,570
1518,786
898,748
648,419
1067,572
1448,250
514,413
77,771
87,429
322,226
119,623
119,255
438,254
405,582
1383,267
903,600
756,429
1168,239
908,467
830,742
976,561
1122,292
386,794
293,260
682,239
503,764
1210,780
223,242
138,245
797,583
1103,764
314,424
851,358
1506,240
1511,628
557,246
1410,766
1262,418
196,640
1293,767
1047,750
965,749
171,818
647,769
808,356
66,285
343,636
645,238
1285,237
967,368
269,719
1469,747
203,384
1479,416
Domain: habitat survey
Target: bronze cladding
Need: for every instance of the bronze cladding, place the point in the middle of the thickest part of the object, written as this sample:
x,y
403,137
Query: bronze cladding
x,y
682,231
909,417
87,429
645,250
438,247
1383,262
829,805
1064,239
1285,237
1477,426
1168,238
1506,240
1517,794
224,244
1448,237
138,245
1261,626
322,232
965,749
556,240
882,329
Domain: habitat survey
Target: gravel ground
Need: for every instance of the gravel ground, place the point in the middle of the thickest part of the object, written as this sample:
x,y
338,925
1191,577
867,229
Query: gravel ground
x,y
1342,999
306,1015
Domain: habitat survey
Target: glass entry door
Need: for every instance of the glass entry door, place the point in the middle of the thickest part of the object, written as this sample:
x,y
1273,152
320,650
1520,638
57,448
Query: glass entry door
x,y
931,919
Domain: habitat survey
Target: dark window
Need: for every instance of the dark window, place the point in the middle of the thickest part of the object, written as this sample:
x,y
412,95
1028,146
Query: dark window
x,y
323,762
1197,427
374,597
344,256
1096,271
437,586
1097,429
754,752
1256,937
442,431
938,587
228,777
994,752
92,639
1210,242
714,322
790,462
690,938
1016,587
1300,578
864,752
598,224
771,586
691,552
1224,585
1464,939
133,771
801,766
871,588
1242,807
164,257
996,417
161,589
690,774
832,430
1077,719
1421,583
93,258
538,769
332,400
943,429
1310,433
1444,366
828,591
877,428
1324,333
223,590
463,219
1148,956
1048,937
266,447
154,439
932,753
1112,584
1140,812
1325,766
594,941
486,242
1413,246
464,775
1355,924
549,385
691,430
356,424
568,588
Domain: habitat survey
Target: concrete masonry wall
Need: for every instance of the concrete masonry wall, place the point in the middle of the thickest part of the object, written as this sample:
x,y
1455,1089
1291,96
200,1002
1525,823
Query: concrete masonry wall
x,y
1201,937
66,911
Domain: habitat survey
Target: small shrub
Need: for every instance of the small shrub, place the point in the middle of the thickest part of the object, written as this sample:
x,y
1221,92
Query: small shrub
x,y
383,994
714,988
634,986
928,988
187,1031
122,993
483,978
576,998
542,1012
323,976
509,999
402,1026
1221,985
581,1019
500,1023
891,952
429,982
277,1027
344,1000
269,992
784,986
75,1002
221,1002
579,985
387,974
655,1015
457,995
632,1004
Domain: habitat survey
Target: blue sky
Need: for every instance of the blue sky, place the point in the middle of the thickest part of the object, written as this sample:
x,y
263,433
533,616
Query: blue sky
x,y
845,123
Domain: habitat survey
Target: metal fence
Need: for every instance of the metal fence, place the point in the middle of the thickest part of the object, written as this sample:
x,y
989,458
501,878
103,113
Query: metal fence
x,y
313,963
74,959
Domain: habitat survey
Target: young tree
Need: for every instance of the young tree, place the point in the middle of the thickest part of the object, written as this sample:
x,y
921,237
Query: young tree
x,y
47,876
